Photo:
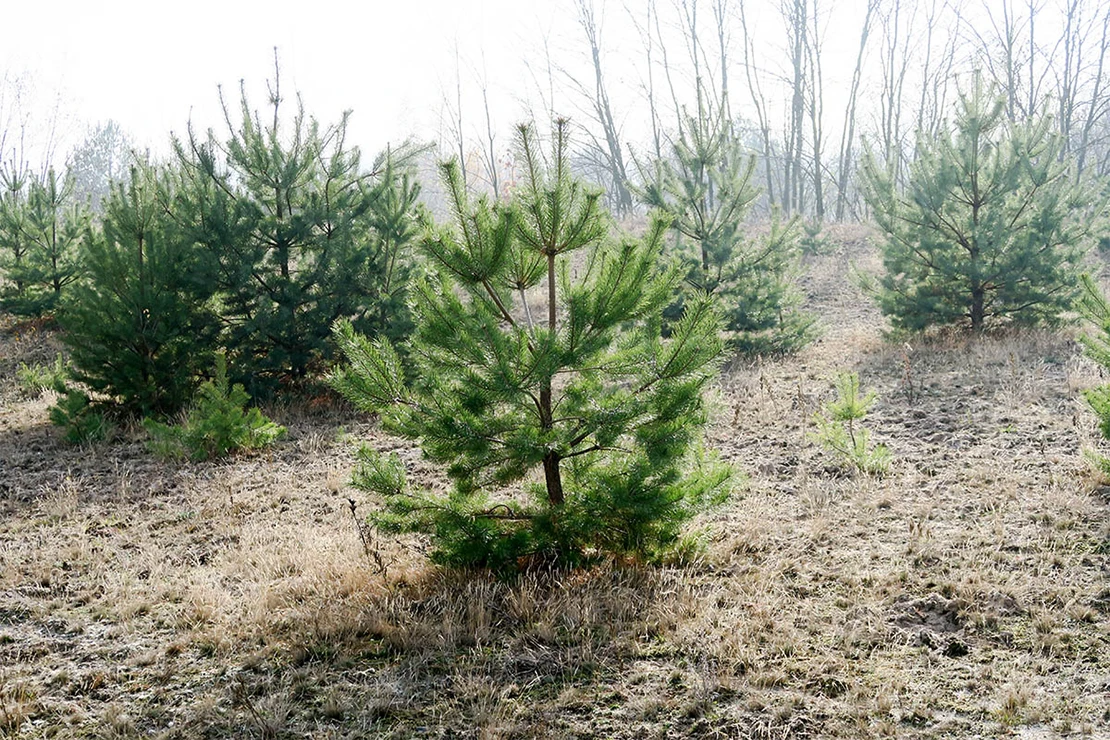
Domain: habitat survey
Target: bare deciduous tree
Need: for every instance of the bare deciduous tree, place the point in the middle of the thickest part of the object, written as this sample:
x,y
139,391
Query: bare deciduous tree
x,y
606,150
759,102
848,132
815,103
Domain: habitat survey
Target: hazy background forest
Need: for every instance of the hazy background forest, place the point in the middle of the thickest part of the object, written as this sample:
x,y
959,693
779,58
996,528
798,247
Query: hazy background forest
x,y
809,84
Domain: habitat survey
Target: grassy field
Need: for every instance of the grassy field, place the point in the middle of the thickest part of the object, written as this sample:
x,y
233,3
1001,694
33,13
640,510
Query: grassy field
x,y
964,594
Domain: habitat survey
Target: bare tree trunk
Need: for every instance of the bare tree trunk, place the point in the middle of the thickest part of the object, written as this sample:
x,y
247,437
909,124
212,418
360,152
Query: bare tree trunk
x,y
492,165
1032,58
667,71
941,82
488,152
544,81
848,132
1068,81
1097,105
689,10
760,104
621,197
720,18
895,64
455,124
1009,43
647,38
795,16
816,109
930,25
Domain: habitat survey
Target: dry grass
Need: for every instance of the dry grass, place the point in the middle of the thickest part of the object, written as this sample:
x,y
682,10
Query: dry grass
x,y
963,594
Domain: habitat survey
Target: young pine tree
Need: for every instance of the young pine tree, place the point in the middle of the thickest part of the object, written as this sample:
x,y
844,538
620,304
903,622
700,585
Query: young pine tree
x,y
104,158
304,235
54,225
840,428
140,329
219,423
705,187
44,227
14,247
990,226
541,382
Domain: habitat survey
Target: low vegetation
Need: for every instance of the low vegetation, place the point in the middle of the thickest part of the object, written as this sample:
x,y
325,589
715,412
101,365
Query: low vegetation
x,y
840,428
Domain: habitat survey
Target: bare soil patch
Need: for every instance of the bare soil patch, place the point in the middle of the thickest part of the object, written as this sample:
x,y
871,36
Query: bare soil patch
x,y
964,594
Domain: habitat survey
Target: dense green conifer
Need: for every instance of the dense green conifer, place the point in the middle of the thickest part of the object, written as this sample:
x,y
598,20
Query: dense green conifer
x,y
989,228
41,226
542,384
141,327
304,235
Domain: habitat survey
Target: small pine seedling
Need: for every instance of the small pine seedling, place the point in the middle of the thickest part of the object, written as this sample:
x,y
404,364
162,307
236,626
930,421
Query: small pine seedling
x,y
218,423
34,379
78,417
840,428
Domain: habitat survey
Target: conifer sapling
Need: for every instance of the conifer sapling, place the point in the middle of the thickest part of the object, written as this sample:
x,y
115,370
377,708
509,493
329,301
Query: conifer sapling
x,y
705,187
541,382
1096,310
840,427
990,227
218,423
141,328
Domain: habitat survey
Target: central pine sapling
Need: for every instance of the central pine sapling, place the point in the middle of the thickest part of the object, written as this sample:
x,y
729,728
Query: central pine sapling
x,y
542,384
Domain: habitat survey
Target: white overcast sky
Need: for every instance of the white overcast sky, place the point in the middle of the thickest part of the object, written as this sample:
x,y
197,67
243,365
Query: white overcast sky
x,y
153,64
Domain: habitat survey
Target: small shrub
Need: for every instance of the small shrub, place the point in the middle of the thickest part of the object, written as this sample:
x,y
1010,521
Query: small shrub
x,y
841,432
34,379
77,416
218,423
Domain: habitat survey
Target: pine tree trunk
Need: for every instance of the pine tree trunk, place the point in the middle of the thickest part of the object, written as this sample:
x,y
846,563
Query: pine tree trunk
x,y
978,307
552,476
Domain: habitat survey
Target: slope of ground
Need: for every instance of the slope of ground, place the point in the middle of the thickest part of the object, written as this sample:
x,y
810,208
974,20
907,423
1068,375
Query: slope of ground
x,y
967,593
